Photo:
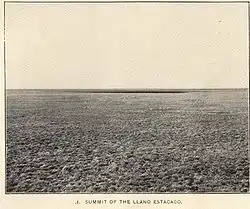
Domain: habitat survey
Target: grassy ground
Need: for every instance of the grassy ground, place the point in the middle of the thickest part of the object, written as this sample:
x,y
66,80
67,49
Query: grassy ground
x,y
80,142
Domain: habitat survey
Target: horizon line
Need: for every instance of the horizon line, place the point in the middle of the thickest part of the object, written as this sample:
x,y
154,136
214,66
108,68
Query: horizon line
x,y
128,90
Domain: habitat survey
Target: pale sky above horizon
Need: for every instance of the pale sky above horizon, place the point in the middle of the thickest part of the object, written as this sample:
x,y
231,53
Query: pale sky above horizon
x,y
127,45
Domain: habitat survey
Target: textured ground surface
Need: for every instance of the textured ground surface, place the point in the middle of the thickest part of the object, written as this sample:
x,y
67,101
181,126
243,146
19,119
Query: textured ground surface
x,y
77,142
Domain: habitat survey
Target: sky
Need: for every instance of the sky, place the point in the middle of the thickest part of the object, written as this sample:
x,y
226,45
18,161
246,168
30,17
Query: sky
x,y
119,45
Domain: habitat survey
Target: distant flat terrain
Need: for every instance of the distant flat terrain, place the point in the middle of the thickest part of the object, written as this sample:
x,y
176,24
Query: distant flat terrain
x,y
74,141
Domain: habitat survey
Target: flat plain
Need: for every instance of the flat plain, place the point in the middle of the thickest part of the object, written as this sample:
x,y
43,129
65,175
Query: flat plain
x,y
72,141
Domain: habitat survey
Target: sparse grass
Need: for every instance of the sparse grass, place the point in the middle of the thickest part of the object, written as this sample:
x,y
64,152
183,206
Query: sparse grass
x,y
190,142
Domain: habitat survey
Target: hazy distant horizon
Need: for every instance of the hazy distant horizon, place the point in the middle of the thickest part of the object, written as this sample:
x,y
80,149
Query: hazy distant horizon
x,y
129,89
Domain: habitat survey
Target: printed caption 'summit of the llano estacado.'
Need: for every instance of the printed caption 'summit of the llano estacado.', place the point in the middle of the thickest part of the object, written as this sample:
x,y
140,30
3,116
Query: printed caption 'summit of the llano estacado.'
x,y
131,202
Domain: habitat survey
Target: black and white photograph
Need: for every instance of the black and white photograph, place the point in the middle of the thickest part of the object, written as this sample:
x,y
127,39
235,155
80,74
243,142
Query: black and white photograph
x,y
126,97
